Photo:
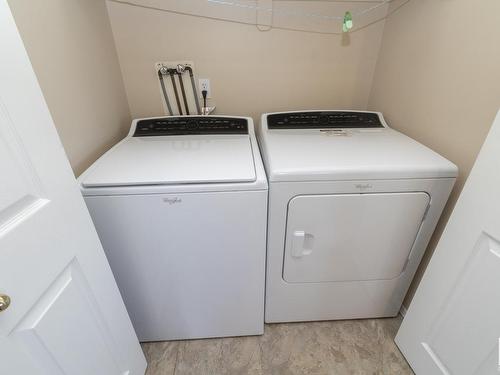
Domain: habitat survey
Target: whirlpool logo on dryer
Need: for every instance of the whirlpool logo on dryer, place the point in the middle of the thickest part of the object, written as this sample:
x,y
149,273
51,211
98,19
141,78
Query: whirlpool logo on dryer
x,y
172,201
364,187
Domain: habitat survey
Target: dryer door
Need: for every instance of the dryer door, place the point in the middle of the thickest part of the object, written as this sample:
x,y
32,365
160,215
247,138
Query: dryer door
x,y
345,237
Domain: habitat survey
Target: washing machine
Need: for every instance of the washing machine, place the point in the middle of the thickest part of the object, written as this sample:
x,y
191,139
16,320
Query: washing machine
x,y
352,206
180,206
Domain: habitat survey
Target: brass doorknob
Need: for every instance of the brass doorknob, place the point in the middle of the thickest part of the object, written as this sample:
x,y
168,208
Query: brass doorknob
x,y
4,302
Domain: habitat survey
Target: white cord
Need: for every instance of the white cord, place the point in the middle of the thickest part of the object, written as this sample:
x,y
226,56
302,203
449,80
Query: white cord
x,y
297,13
267,27
133,4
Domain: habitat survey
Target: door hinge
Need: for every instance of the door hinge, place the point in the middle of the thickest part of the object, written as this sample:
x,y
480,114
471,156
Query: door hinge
x,y
426,212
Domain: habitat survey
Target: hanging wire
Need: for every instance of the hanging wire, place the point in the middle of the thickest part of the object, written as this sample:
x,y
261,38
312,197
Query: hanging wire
x,y
297,13
268,27
184,13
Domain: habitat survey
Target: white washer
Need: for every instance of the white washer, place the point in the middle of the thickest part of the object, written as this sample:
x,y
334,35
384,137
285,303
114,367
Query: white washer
x,y
180,206
352,206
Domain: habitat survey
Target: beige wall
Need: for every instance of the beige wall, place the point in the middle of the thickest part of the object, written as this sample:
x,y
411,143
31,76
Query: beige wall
x,y
438,80
251,72
71,47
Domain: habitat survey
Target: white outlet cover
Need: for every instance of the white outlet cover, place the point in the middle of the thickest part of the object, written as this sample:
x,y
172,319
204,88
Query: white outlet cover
x,y
201,82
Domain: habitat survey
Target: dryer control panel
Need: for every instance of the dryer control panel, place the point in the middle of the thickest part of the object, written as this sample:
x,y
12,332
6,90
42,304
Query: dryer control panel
x,y
190,126
324,120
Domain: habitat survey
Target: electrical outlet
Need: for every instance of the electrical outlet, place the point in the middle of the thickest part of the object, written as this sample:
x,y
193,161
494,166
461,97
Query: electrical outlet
x,y
204,84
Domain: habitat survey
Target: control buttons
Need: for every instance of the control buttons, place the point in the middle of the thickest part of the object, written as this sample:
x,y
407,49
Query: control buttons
x,y
323,120
191,126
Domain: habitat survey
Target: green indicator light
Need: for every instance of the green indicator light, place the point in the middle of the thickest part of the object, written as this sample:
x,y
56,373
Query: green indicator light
x,y
347,25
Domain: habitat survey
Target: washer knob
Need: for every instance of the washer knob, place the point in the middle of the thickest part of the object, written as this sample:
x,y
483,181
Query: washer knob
x,y
323,120
192,124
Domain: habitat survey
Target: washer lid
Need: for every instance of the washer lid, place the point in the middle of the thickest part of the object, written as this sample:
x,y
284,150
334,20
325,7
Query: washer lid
x,y
174,160
348,154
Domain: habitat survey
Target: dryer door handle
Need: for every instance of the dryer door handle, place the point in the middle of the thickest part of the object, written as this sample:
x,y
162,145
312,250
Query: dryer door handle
x,y
302,243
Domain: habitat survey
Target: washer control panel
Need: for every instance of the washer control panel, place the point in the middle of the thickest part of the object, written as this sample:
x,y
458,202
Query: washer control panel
x,y
190,126
324,120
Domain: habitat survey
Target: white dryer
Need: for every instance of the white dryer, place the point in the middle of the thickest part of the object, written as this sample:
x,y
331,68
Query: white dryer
x,y
180,206
352,206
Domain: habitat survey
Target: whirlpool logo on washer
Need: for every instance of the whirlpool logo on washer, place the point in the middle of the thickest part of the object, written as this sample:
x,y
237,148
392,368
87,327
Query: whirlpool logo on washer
x,y
364,187
172,201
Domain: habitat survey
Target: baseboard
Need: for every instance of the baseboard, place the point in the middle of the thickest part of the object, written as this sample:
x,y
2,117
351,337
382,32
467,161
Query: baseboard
x,y
403,310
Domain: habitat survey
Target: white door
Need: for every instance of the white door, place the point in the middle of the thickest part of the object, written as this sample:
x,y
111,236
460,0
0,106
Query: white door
x,y
453,324
351,237
66,315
